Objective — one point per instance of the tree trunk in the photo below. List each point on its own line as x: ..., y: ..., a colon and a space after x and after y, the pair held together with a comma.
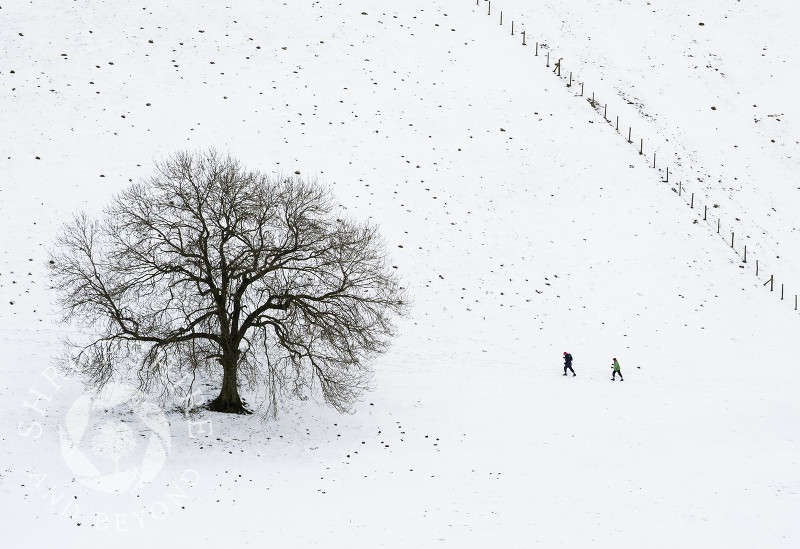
x: 228, y: 400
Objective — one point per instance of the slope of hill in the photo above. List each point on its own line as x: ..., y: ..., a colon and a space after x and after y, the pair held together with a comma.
x: 523, y: 226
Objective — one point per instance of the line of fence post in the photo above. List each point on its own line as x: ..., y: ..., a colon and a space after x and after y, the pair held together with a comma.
x: 771, y: 280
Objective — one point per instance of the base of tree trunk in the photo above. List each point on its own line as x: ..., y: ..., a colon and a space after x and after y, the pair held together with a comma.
x: 227, y: 404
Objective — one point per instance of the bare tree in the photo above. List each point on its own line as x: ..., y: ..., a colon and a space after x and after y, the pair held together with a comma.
x: 209, y: 269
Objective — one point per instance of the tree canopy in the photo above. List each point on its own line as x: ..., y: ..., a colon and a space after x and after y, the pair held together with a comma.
x: 216, y: 271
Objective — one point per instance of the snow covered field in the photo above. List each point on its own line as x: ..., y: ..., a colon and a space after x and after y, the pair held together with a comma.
x: 523, y: 225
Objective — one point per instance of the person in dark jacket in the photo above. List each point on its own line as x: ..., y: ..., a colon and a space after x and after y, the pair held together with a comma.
x: 568, y: 363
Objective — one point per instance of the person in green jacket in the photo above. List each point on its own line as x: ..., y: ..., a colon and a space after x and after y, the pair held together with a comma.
x: 615, y: 367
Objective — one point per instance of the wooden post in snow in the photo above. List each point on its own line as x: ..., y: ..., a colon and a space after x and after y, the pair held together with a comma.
x: 745, y: 254
x: 692, y: 204
x: 629, y: 135
x: 523, y: 38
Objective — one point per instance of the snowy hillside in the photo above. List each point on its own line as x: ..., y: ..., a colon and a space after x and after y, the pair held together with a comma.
x: 522, y: 224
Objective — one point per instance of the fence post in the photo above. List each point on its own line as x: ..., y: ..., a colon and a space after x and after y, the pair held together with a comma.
x: 581, y: 89
x: 490, y: 7
x: 654, y: 160
x: 512, y: 27
x: 537, y: 49
x: 570, y: 80
x: 501, y: 17
x: 548, y: 59
x: 605, y: 111
x: 718, y: 225
x: 731, y: 239
x: 641, y: 145
x: 629, y: 135
x: 523, y: 39
x: 756, y: 267
x: 617, y: 122
x: 745, y: 254
x: 692, y: 204
x: 680, y: 185
x: 705, y: 212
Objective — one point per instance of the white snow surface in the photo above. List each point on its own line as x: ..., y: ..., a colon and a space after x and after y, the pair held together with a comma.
x: 522, y: 223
